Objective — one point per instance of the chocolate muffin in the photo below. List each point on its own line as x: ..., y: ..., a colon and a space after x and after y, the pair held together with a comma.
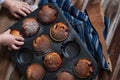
x: 35, y: 72
x: 47, y: 14
x: 41, y: 44
x: 64, y: 75
x: 30, y: 26
x: 52, y: 61
x: 59, y: 32
x: 83, y: 68
x: 15, y: 32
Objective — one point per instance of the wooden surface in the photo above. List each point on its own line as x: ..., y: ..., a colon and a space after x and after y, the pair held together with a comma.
x: 6, y: 20
x: 114, y: 50
x: 112, y: 11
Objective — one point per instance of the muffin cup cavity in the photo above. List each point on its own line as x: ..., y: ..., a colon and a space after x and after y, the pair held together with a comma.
x: 25, y: 56
x: 71, y: 49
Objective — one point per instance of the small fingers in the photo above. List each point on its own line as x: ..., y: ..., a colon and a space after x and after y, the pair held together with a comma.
x: 24, y: 3
x: 22, y: 13
x: 25, y: 10
x: 27, y: 6
x: 16, y: 15
x: 18, y: 43
x: 9, y: 48
x: 19, y: 38
x: 14, y: 47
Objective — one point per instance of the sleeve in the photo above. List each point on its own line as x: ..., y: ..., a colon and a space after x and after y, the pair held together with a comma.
x: 1, y: 1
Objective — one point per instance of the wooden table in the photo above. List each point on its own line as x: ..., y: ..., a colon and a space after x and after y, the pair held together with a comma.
x: 7, y: 68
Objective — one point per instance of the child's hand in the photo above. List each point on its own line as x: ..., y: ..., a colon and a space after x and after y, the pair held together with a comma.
x: 17, y: 8
x: 13, y: 42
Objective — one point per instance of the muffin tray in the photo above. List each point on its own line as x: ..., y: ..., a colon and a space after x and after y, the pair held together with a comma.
x: 71, y: 49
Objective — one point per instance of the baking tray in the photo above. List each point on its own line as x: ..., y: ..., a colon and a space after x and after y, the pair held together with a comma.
x: 26, y: 55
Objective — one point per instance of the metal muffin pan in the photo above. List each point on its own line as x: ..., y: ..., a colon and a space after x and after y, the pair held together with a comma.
x: 71, y: 49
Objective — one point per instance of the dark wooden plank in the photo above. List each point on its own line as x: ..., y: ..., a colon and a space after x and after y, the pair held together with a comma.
x: 114, y: 50
x: 116, y: 70
x: 118, y: 76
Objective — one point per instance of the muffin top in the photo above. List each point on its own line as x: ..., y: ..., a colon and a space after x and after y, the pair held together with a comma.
x: 47, y: 14
x: 65, y: 75
x: 15, y: 32
x: 83, y: 68
x: 35, y: 72
x: 59, y: 32
x: 42, y: 43
x: 30, y: 26
x: 52, y: 61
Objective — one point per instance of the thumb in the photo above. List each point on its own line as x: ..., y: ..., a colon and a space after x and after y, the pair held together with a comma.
x: 8, y: 31
x: 9, y: 48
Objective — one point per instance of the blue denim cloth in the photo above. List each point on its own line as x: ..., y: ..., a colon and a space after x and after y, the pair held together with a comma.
x: 1, y: 1
x: 83, y: 27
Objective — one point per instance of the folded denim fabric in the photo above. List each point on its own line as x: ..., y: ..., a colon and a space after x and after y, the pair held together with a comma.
x: 1, y: 1
x: 83, y: 27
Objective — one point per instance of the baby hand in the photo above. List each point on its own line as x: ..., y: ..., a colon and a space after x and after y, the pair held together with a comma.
x: 12, y: 41
x: 17, y: 8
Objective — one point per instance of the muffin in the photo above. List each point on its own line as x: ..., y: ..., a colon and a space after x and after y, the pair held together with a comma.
x: 52, y: 61
x: 30, y: 26
x: 47, y: 14
x: 59, y: 32
x: 15, y: 32
x: 41, y: 44
x: 83, y: 68
x: 64, y: 75
x: 35, y: 72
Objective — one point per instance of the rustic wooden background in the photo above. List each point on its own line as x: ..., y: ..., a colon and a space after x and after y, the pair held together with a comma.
x: 8, y: 70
